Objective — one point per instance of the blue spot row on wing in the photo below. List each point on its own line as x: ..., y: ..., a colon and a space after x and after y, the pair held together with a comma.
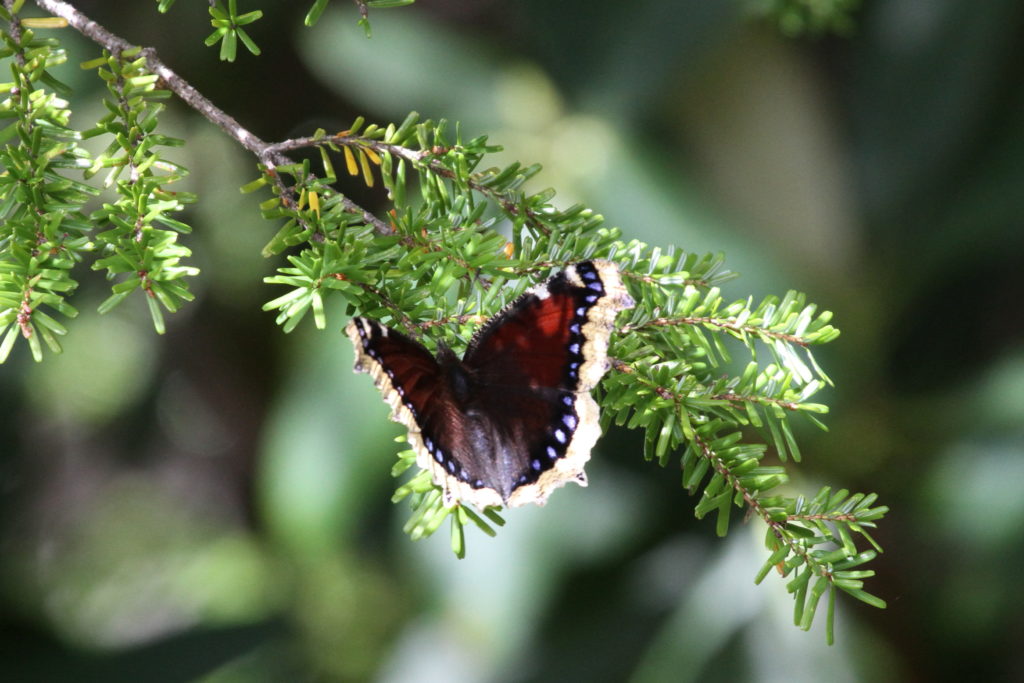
x: 453, y: 468
x: 561, y: 431
x: 373, y: 353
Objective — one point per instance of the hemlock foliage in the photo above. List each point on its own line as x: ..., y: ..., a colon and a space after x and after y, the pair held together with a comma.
x: 713, y: 384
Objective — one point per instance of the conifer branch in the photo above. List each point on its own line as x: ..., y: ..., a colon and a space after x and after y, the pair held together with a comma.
x: 724, y: 324
x: 175, y: 83
x: 738, y: 398
x: 264, y: 151
x: 427, y: 159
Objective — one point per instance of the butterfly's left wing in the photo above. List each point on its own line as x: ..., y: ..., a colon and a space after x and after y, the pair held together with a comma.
x: 535, y: 364
x: 419, y: 390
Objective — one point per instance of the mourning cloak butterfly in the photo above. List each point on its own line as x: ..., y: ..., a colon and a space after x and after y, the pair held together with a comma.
x: 514, y: 419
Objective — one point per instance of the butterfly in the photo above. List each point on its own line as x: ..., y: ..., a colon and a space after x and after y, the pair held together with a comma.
x: 513, y: 420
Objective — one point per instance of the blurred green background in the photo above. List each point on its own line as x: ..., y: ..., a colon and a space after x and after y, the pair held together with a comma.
x: 214, y: 503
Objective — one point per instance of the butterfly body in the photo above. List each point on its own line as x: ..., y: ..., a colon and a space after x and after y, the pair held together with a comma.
x: 513, y: 419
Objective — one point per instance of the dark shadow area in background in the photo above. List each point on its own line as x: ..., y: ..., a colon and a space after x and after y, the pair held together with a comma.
x: 33, y: 654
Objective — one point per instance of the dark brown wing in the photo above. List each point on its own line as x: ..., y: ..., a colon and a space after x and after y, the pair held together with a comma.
x: 447, y: 442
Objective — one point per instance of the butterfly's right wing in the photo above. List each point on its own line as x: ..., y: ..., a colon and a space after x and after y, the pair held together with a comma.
x: 536, y: 363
